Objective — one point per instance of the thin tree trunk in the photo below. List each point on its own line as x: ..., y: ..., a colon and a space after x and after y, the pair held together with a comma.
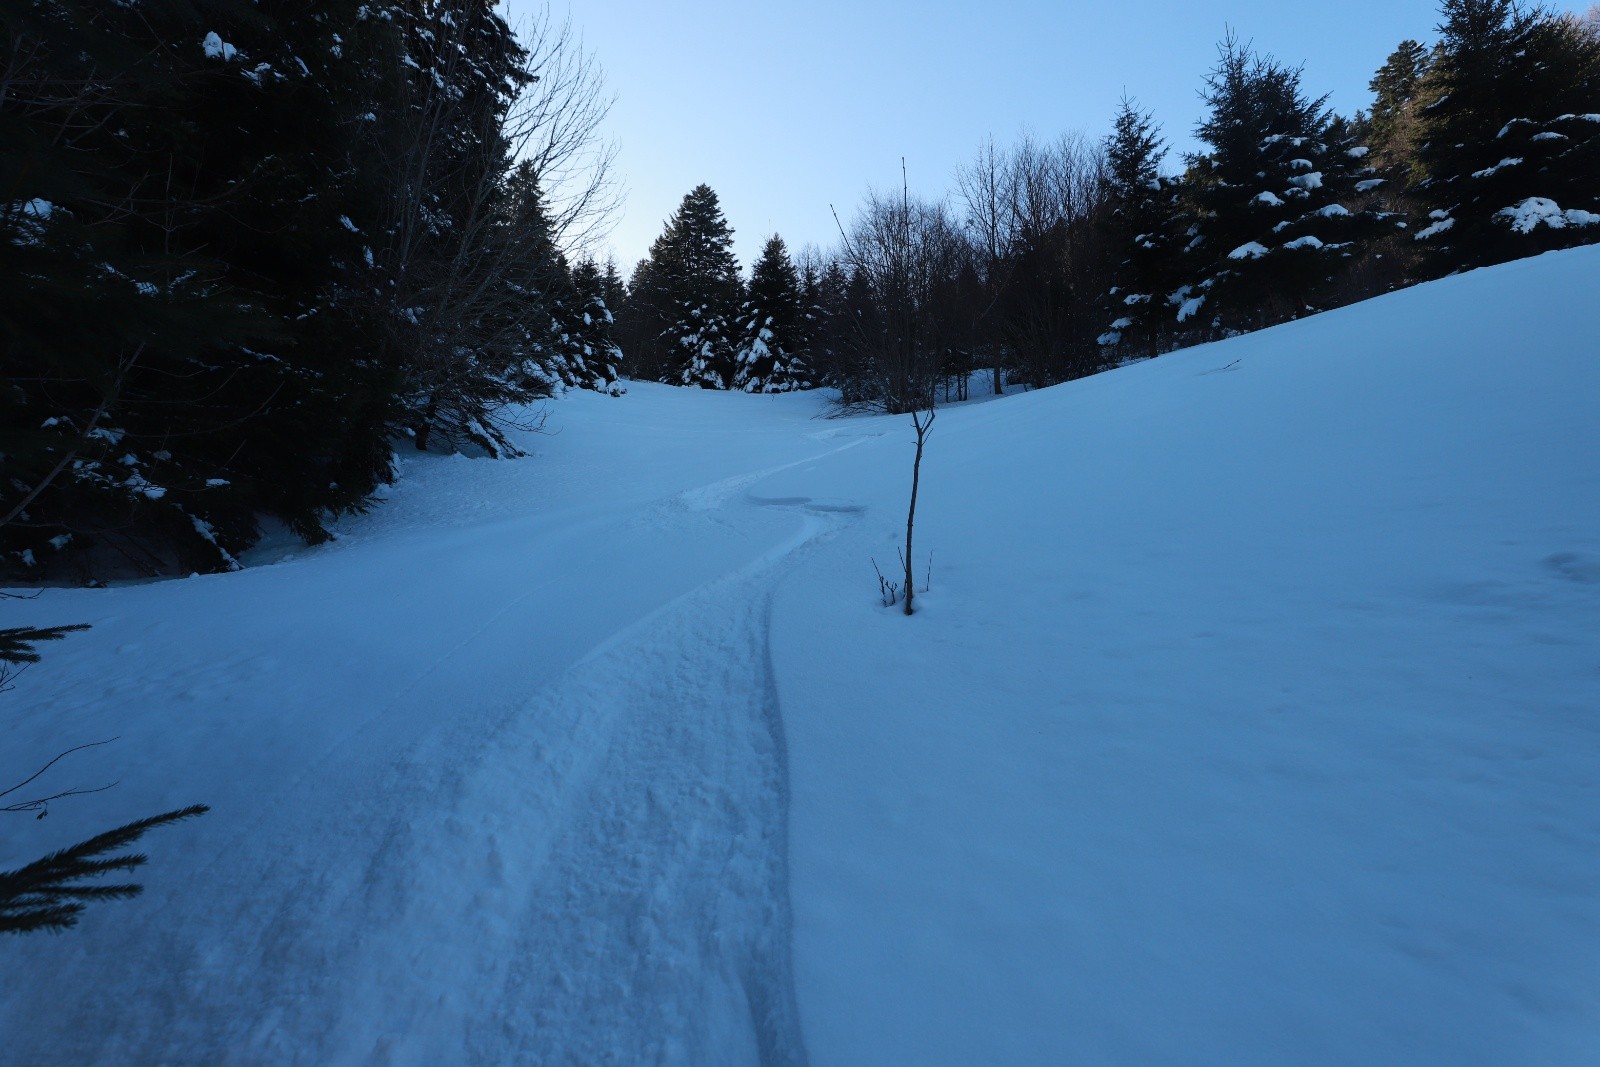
x: 923, y: 425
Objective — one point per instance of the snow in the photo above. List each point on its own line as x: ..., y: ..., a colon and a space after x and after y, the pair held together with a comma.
x: 1509, y: 161
x: 1307, y: 181
x: 1368, y: 184
x: 31, y: 217
x: 1249, y: 719
x: 1331, y: 211
x: 1437, y: 227
x: 1249, y: 250
x: 1306, y: 241
x: 1528, y: 215
x: 1269, y: 198
x: 216, y: 48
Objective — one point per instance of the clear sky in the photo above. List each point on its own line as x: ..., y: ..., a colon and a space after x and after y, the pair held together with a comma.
x: 786, y: 108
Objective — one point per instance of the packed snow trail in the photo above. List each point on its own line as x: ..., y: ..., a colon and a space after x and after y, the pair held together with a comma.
x: 683, y: 830
x: 535, y: 839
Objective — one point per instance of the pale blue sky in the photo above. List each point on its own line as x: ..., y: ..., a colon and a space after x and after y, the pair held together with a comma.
x: 784, y: 108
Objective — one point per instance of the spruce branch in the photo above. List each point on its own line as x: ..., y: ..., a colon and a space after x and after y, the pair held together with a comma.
x: 50, y: 893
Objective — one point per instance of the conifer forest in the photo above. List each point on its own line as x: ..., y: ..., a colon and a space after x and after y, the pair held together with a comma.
x: 240, y: 274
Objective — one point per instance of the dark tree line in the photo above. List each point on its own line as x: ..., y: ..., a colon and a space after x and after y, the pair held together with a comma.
x: 1057, y: 259
x: 246, y: 247
x: 689, y: 317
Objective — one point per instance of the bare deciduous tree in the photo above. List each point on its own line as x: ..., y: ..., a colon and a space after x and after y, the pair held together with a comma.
x: 904, y: 255
x: 1031, y: 213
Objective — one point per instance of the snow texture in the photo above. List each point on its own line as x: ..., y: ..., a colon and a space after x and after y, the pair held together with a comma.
x: 1260, y: 730
x: 1536, y: 211
x: 216, y: 48
x: 1438, y: 226
x: 1509, y: 161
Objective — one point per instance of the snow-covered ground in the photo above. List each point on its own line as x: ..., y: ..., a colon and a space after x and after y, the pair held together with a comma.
x: 1252, y: 717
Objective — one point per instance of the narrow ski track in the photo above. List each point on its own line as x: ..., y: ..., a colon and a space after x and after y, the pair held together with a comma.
x: 659, y: 930
x: 593, y: 871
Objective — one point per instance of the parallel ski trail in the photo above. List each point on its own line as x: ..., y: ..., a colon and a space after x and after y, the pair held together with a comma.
x: 659, y: 929
x: 593, y: 872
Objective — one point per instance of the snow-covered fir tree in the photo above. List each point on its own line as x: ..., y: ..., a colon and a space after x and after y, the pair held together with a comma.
x: 772, y: 329
x: 1392, y: 122
x: 594, y: 357
x: 1140, y: 233
x: 1270, y: 218
x: 1508, y: 135
x: 689, y: 291
x: 245, y: 246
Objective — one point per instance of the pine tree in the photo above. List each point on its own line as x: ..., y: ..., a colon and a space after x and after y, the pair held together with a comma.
x: 1272, y: 230
x: 1508, y: 153
x: 771, y: 341
x: 244, y: 245
x: 594, y: 351
x: 177, y: 170
x: 691, y: 288
x: 1394, y: 91
x: 828, y: 315
x: 1140, y: 222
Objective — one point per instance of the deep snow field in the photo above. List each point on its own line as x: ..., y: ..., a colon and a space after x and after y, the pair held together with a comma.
x: 1252, y: 717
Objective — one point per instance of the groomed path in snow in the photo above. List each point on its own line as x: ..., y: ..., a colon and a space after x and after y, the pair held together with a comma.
x: 1252, y: 717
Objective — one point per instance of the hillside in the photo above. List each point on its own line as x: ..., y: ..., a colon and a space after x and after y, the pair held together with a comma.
x: 1250, y: 718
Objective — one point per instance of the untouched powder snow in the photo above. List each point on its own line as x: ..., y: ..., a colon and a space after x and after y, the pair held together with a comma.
x: 1252, y: 717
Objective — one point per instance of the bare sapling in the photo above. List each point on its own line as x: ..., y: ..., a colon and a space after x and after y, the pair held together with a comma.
x: 922, y: 419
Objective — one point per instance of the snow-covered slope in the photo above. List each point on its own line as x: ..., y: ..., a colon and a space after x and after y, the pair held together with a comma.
x: 1252, y: 717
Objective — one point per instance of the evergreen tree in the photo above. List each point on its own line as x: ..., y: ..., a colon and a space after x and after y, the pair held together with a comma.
x: 828, y: 317
x: 1140, y: 232
x: 691, y: 290
x: 1509, y: 151
x: 176, y: 173
x: 771, y: 341
x: 1271, y: 226
x: 1394, y: 91
x: 595, y: 356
